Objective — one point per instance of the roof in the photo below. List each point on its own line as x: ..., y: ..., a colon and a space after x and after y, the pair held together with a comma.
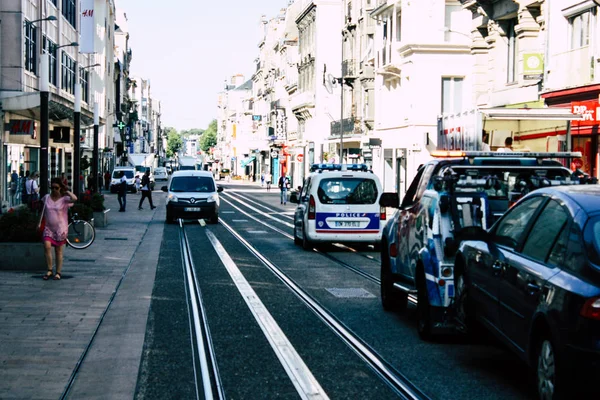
x: 586, y: 196
x: 245, y: 86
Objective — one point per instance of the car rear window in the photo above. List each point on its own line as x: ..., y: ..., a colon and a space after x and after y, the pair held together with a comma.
x: 128, y: 173
x: 347, y: 191
x: 224, y: 171
x: 201, y: 184
x: 592, y: 238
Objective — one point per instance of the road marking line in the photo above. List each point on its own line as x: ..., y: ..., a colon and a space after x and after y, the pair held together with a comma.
x: 302, y: 378
x: 239, y: 220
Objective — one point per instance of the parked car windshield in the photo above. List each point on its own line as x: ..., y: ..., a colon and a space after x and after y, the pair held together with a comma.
x: 117, y: 173
x: 592, y: 236
x: 200, y: 184
x: 347, y: 191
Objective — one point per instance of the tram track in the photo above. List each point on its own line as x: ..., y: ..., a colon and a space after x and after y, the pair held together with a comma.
x: 205, y: 366
x: 401, y: 385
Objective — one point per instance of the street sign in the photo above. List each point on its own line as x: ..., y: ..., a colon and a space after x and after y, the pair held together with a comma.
x: 299, y: 157
x: 274, y: 154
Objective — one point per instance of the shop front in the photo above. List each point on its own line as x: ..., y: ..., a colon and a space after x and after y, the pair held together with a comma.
x: 583, y: 134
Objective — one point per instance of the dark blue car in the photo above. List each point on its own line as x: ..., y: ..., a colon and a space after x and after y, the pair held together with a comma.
x: 533, y: 280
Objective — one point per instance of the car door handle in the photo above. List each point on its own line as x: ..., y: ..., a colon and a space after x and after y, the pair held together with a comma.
x: 532, y: 288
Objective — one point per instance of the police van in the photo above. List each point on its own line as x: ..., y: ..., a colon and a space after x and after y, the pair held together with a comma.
x: 339, y: 204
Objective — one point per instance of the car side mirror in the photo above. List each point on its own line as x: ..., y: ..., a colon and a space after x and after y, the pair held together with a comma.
x: 389, y: 200
x: 219, y: 188
x: 164, y: 189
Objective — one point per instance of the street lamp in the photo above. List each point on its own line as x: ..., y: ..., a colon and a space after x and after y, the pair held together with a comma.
x: 49, y: 18
x: 74, y: 44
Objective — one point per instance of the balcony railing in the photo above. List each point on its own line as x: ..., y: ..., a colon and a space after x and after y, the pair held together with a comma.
x: 348, y: 68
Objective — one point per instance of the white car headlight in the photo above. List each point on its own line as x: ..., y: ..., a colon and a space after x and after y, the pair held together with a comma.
x: 212, y: 198
x: 172, y: 197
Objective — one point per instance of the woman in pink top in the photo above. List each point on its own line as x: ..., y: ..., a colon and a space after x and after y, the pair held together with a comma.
x: 56, y: 206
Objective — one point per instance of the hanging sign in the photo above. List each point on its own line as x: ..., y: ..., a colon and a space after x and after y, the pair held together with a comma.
x: 299, y: 157
x: 88, y: 27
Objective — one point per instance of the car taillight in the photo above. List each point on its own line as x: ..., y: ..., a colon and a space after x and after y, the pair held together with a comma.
x: 311, y: 208
x: 591, y: 309
x: 382, y: 214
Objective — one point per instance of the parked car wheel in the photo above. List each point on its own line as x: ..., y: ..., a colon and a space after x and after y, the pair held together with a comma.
x: 546, y: 375
x: 423, y: 310
x: 297, y: 240
x: 306, y: 244
x: 391, y: 299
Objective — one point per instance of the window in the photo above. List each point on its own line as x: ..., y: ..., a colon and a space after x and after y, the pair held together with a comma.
x: 50, y: 49
x: 411, y: 193
x: 452, y: 94
x: 511, y: 228
x: 196, y: 184
x: 347, y: 191
x: 511, y: 48
x: 580, y: 29
x: 544, y: 233
x: 67, y: 74
x: 30, y: 47
x: 69, y: 11
x: 84, y: 77
x: 452, y: 12
x: 592, y: 239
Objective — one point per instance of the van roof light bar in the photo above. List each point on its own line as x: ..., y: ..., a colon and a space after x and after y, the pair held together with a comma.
x: 338, y: 167
x: 514, y: 154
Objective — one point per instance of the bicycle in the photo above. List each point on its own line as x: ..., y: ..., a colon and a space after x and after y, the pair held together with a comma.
x: 81, y: 234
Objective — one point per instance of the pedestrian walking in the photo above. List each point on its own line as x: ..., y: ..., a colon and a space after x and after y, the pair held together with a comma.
x: 269, y: 180
x: 14, y: 186
x: 284, y: 184
x: 138, y: 182
x: 262, y: 179
x: 146, y: 192
x: 122, y: 191
x: 90, y: 182
x: 100, y: 183
x: 33, y: 190
x: 55, y: 215
x: 24, y: 196
x: 106, y: 180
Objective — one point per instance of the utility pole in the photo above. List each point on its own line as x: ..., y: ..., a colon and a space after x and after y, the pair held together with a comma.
x: 76, y: 186
x: 44, y: 85
x: 95, y: 151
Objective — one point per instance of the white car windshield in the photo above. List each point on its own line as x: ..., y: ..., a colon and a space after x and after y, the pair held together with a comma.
x: 201, y: 184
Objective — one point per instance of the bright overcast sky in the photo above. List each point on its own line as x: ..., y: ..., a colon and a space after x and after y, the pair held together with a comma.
x: 187, y: 48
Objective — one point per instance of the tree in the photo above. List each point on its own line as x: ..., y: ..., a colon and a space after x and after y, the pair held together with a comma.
x: 209, y: 137
x: 194, y: 131
x: 174, y: 142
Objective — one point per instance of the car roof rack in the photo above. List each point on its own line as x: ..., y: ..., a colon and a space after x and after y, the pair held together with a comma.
x: 508, y: 154
x: 339, y: 167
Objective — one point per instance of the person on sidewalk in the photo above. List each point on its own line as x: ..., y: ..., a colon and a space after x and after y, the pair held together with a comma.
x: 138, y: 183
x: 106, y: 180
x: 146, y: 192
x: 122, y: 191
x: 284, y: 183
x: 33, y: 190
x: 269, y: 180
x: 56, y: 207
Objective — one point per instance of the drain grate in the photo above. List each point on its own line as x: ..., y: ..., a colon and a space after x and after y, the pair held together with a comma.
x: 116, y: 239
x: 351, y: 293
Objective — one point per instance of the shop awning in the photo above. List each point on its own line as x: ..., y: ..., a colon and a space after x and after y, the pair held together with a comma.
x: 247, y: 161
x: 59, y: 109
x: 546, y: 114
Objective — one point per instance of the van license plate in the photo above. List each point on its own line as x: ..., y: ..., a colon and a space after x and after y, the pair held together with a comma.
x: 192, y: 209
x: 347, y: 224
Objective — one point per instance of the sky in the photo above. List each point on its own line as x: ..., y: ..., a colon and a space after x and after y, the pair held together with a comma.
x: 188, y: 48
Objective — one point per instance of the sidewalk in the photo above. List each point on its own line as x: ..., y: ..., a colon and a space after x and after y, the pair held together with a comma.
x: 46, y: 326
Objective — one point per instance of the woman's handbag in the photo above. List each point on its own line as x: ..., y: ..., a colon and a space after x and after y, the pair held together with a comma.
x: 42, y: 222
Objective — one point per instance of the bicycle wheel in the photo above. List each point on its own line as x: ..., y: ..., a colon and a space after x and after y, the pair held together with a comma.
x: 81, y: 234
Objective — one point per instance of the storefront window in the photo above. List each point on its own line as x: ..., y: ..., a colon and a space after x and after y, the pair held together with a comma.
x: 584, y: 145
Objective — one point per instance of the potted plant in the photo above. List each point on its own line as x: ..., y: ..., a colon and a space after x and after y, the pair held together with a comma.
x: 95, y: 201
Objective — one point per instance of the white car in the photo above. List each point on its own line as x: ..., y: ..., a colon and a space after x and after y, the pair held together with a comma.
x: 116, y: 179
x: 192, y: 195
x: 160, y: 174
x: 339, y: 206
